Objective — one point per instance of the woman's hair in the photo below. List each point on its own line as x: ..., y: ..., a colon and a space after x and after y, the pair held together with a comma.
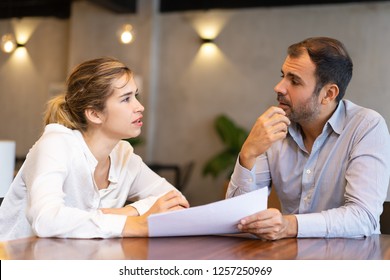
x: 332, y: 61
x: 87, y: 87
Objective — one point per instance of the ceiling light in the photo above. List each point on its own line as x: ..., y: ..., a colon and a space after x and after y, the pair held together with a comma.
x: 127, y: 35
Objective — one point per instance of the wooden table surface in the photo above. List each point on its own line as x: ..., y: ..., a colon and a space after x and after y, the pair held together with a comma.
x: 197, y: 248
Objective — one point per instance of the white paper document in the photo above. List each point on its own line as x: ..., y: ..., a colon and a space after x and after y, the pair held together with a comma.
x: 221, y: 217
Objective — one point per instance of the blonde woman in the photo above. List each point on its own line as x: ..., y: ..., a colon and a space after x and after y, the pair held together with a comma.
x: 79, y: 174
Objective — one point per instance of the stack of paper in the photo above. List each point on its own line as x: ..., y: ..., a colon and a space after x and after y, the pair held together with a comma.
x: 221, y: 217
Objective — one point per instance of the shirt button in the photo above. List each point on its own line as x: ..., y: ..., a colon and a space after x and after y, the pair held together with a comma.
x: 308, y: 171
x: 250, y: 180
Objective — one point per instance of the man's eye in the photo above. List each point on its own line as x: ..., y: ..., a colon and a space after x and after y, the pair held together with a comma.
x: 294, y: 82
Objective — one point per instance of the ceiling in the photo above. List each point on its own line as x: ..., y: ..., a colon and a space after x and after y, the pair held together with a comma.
x: 62, y: 8
x: 57, y: 8
x: 181, y: 5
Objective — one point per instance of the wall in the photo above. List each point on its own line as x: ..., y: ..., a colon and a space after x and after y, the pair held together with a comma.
x: 239, y: 81
x: 29, y: 76
x: 184, y: 90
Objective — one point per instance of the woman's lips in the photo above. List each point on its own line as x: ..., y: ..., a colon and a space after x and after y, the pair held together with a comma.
x: 138, y: 122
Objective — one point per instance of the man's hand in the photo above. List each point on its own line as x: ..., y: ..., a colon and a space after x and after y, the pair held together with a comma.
x: 270, y: 127
x: 270, y: 224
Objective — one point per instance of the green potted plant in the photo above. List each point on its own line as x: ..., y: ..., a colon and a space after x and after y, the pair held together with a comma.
x: 233, y: 136
x: 135, y: 141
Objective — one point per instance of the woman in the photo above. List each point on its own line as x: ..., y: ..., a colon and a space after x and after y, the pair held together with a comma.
x: 79, y: 174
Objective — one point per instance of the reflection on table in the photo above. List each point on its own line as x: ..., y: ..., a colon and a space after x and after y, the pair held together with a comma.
x: 197, y: 248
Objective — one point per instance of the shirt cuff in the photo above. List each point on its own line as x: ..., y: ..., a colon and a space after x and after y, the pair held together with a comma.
x: 243, y: 178
x: 311, y: 225
x: 144, y: 205
x: 111, y: 224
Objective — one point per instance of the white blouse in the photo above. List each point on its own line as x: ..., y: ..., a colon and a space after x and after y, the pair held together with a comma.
x: 54, y: 193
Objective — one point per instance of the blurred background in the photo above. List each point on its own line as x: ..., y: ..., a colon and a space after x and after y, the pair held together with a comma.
x: 194, y: 62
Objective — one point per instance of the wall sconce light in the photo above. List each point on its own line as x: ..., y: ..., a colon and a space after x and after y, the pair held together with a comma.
x: 208, y: 46
x: 126, y: 34
x: 207, y: 40
x: 9, y: 44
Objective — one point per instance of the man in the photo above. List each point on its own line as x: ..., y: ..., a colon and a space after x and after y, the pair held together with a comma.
x: 328, y: 159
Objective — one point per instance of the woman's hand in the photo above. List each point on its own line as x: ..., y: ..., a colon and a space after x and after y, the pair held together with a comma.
x: 138, y: 226
x: 172, y: 200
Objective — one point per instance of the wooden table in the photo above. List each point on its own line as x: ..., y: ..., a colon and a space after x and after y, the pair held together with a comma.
x: 197, y: 248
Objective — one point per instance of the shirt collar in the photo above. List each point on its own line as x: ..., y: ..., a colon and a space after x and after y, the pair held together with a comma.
x: 335, y: 123
x: 337, y: 120
x: 92, y: 161
x: 113, y: 175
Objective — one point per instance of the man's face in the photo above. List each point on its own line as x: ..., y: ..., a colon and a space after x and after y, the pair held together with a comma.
x: 295, y: 91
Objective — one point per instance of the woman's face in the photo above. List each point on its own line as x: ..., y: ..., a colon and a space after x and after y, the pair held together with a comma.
x: 122, y: 117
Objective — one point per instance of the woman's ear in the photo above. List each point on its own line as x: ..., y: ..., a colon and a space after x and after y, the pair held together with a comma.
x: 93, y: 116
x: 331, y: 92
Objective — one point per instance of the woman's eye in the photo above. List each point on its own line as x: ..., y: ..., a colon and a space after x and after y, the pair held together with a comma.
x: 127, y: 99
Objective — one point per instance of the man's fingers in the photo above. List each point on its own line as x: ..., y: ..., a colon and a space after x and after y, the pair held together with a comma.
x: 274, y: 110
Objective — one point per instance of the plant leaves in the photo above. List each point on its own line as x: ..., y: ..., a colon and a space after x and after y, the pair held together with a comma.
x: 222, y: 162
x: 231, y: 134
x: 135, y: 141
x: 233, y: 138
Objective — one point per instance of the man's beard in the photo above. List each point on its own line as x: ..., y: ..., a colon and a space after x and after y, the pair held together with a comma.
x: 306, y: 112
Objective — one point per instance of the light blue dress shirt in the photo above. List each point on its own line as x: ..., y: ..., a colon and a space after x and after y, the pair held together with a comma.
x: 339, y: 188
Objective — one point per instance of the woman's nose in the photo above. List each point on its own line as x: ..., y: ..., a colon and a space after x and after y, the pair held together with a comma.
x: 139, y: 107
